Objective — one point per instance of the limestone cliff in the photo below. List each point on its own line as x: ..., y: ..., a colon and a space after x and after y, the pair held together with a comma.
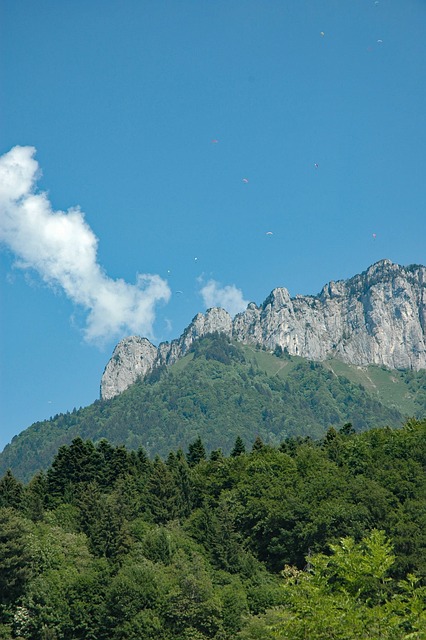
x: 377, y: 317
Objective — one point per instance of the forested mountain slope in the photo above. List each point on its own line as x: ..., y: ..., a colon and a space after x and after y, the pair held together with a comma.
x: 221, y: 390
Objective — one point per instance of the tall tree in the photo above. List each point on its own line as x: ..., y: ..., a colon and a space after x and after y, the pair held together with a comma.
x: 196, y: 452
x: 11, y: 491
x: 15, y: 566
x: 239, y: 447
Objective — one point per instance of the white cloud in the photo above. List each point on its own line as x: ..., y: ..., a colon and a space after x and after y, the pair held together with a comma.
x: 62, y: 248
x: 228, y: 297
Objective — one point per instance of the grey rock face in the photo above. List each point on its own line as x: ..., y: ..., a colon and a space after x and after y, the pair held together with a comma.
x: 214, y: 320
x: 131, y: 358
x: 377, y: 317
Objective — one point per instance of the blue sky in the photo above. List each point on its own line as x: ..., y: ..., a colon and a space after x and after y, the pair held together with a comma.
x: 148, y: 147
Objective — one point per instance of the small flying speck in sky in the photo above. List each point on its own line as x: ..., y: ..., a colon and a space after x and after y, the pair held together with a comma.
x: 322, y: 34
x: 214, y: 141
x: 316, y: 165
x: 245, y: 180
x: 379, y: 41
x: 269, y: 233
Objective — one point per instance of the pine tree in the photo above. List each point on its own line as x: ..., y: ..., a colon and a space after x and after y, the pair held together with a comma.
x: 257, y: 444
x: 36, y: 496
x: 11, y: 491
x: 196, y: 452
x: 239, y: 447
x: 162, y: 498
x: 14, y: 555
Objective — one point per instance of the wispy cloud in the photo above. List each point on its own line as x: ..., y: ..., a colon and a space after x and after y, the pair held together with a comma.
x: 227, y: 297
x: 62, y: 248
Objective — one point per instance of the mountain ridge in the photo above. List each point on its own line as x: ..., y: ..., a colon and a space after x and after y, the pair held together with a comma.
x: 222, y: 389
x: 377, y: 317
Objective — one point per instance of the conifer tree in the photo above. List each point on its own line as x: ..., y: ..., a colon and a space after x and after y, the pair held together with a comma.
x: 162, y: 494
x: 36, y: 496
x: 14, y: 555
x: 239, y: 447
x: 11, y: 491
x: 257, y: 444
x: 196, y: 452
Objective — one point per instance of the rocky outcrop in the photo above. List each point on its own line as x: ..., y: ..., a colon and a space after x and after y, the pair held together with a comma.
x: 377, y: 317
x: 131, y: 358
x: 134, y: 357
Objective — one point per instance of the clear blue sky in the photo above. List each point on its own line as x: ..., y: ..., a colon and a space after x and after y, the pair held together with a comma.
x: 149, y: 116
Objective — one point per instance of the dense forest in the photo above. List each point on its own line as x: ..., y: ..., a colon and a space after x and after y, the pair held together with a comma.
x: 221, y: 390
x: 308, y: 538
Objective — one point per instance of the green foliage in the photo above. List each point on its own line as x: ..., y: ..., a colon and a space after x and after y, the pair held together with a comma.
x: 11, y: 491
x: 343, y: 595
x: 219, y: 391
x: 188, y: 547
x: 15, y: 567
x: 239, y: 447
x: 196, y: 452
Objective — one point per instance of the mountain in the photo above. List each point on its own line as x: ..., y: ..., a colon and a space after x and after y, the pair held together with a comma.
x: 291, y: 367
x: 375, y: 318
x: 222, y: 389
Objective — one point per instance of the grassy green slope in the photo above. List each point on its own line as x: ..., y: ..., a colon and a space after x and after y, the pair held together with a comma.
x: 402, y: 390
x: 220, y: 391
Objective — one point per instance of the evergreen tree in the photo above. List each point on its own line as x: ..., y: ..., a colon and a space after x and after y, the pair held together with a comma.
x: 15, y: 567
x: 196, y: 452
x: 184, y: 489
x: 347, y: 429
x: 239, y: 447
x: 102, y: 520
x: 11, y: 491
x: 257, y: 444
x: 74, y: 464
x: 35, y: 497
x: 162, y: 494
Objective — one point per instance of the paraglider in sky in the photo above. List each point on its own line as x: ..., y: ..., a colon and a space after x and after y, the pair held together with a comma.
x: 316, y: 165
x: 322, y: 34
x: 374, y: 236
x: 269, y: 233
x: 195, y: 259
x: 379, y: 41
x: 245, y: 180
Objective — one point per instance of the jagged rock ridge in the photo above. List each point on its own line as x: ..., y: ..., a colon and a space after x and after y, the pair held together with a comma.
x: 376, y: 317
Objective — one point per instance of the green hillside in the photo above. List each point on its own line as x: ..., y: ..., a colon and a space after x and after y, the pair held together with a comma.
x: 221, y: 390
x: 404, y: 391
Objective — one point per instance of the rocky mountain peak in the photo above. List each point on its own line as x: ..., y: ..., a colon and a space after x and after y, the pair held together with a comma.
x: 376, y: 317
x: 132, y: 357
